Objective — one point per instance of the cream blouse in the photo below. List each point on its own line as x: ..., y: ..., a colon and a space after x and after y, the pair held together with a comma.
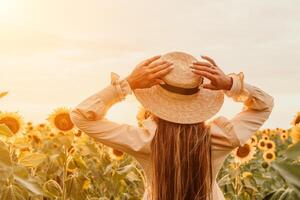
x: 226, y: 134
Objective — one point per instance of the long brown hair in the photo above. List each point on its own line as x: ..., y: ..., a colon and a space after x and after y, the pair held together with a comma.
x: 181, y: 161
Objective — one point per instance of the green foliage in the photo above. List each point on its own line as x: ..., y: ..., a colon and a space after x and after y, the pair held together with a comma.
x: 258, y: 179
x: 40, y: 164
x: 289, y: 169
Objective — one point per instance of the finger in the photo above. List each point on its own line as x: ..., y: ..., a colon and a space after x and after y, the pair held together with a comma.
x: 208, y: 75
x: 205, y: 68
x: 209, y: 60
x: 160, y: 67
x: 162, y: 73
x: 155, y: 64
x: 208, y: 86
x: 202, y: 63
x: 159, y: 81
x: 150, y: 60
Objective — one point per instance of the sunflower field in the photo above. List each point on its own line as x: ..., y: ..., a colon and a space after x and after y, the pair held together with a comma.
x: 55, y: 160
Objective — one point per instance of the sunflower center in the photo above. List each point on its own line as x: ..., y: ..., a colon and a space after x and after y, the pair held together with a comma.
x: 243, y: 151
x: 269, y: 145
x: 63, y: 122
x: 117, y: 152
x: 269, y: 156
x: 11, y: 123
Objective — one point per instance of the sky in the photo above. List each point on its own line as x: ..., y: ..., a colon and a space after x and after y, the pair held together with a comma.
x: 56, y: 53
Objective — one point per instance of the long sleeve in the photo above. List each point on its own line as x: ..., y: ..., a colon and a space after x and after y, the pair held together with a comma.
x: 257, y: 107
x: 89, y: 116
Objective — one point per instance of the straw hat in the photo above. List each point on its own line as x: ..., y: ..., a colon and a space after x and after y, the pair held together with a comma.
x: 181, y: 100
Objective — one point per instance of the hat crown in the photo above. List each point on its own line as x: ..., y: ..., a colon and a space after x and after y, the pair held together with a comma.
x: 165, y: 102
x: 181, y: 75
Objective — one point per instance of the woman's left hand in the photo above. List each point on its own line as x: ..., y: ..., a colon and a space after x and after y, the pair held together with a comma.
x: 211, y: 71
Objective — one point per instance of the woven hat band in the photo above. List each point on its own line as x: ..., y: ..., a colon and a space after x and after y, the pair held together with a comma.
x: 179, y: 90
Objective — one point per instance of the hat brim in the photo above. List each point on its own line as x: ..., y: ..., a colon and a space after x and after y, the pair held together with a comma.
x: 178, y: 108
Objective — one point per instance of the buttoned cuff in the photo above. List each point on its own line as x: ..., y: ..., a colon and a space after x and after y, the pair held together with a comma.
x: 237, y: 84
x: 239, y: 90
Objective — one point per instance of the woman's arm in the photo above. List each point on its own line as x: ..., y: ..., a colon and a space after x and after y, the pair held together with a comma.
x: 89, y: 115
x: 257, y: 103
x: 257, y: 107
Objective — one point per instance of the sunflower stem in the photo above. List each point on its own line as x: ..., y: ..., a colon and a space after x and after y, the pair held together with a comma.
x: 65, y: 175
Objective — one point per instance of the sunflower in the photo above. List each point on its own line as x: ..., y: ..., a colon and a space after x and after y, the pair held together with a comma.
x: 78, y: 133
x: 296, y: 120
x: 278, y: 130
x: 258, y: 132
x: 245, y: 153
x: 60, y: 120
x: 269, y: 156
x: 273, y: 133
x: 246, y: 174
x: 295, y: 133
x: 29, y: 127
x: 284, y: 135
x: 116, y: 154
x: 262, y: 144
x: 13, y: 121
x: 265, y: 165
x: 270, y: 145
x: 86, y: 184
x: 265, y: 137
x: 253, y: 140
x: 142, y: 115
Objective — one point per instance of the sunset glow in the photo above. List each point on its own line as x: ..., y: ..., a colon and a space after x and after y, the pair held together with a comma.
x: 54, y: 53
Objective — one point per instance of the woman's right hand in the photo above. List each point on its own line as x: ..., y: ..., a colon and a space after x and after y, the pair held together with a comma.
x: 149, y: 73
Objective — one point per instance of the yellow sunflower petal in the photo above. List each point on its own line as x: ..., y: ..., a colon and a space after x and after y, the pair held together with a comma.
x: 245, y: 174
x: 296, y: 120
x: 295, y: 133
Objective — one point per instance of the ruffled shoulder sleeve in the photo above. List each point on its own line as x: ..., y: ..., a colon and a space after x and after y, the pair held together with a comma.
x: 97, y: 105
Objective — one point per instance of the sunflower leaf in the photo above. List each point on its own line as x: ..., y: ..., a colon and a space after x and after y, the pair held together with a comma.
x: 5, y: 158
x: 32, y: 186
x: 5, y: 131
x: 32, y: 159
x: 52, y: 188
x: 291, y: 173
x: 294, y: 151
x: 13, y: 192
